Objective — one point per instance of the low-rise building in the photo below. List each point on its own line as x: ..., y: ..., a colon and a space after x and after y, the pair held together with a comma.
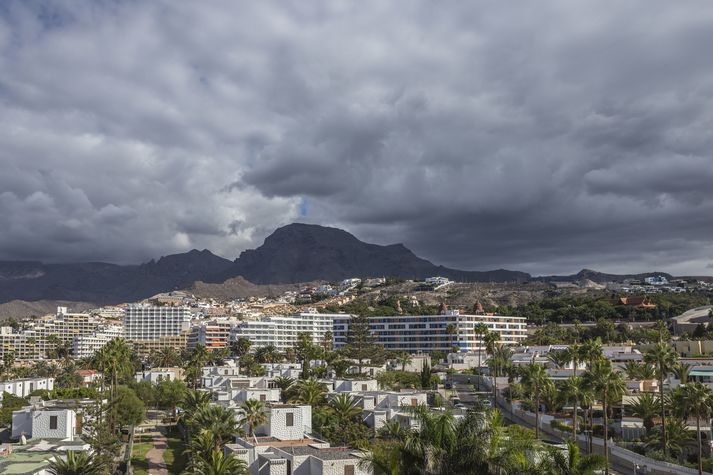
x: 156, y: 375
x: 23, y: 387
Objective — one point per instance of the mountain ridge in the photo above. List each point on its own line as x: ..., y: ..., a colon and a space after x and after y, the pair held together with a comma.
x: 292, y: 254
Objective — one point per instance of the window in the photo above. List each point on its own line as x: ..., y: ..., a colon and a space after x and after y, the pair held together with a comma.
x: 290, y: 419
x: 53, y: 422
x: 363, y: 387
x: 349, y: 470
x: 263, y: 398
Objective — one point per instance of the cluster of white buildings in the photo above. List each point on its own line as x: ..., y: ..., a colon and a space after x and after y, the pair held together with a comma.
x: 152, y: 327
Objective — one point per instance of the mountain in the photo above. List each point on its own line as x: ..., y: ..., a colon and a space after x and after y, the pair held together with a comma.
x: 306, y: 252
x: 292, y: 254
x: 103, y: 283
x: 599, y: 277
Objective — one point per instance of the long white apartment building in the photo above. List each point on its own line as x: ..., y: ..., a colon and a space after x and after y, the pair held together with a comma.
x: 85, y: 346
x: 282, y: 331
x: 149, y: 322
x: 424, y: 333
x: 32, y: 341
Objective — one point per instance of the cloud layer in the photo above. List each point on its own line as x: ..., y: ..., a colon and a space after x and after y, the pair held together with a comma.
x: 543, y: 136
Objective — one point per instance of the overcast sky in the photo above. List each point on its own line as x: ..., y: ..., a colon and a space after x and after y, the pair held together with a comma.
x: 544, y: 136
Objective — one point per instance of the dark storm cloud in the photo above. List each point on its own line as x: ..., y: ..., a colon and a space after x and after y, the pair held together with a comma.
x: 544, y: 136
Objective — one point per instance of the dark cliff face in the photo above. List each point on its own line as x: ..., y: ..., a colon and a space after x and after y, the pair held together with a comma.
x: 302, y: 252
x: 293, y: 253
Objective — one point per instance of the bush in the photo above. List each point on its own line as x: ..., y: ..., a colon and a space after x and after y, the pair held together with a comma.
x: 558, y: 425
x: 396, y: 380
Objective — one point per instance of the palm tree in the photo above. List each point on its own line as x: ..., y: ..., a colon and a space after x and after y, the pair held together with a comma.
x: 645, y: 407
x: 591, y: 350
x: 285, y: 384
x: 664, y: 359
x: 266, y: 354
x: 698, y: 399
x: 76, y: 463
x: 219, y: 422
x: 682, y: 371
x: 254, y: 415
x: 240, y: 347
x: 498, y: 364
x: 114, y: 361
x: 403, y: 358
x: 639, y: 371
x: 678, y: 436
x: 535, y: 379
x: 574, y: 354
x: 572, y: 391
x: 345, y: 407
x: 559, y: 358
x: 311, y: 391
x: 572, y: 462
x: 480, y: 330
x: 218, y: 463
x: 165, y: 358
x: 610, y: 386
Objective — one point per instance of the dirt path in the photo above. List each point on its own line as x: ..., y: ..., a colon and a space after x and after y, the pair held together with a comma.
x: 157, y: 466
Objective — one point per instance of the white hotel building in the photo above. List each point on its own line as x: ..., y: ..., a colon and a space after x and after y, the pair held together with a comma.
x: 282, y: 331
x: 425, y: 333
x: 148, y: 322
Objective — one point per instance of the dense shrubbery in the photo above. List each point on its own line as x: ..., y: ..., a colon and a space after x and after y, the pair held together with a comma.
x: 588, y: 309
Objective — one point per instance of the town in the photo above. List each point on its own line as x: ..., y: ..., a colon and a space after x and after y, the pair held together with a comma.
x: 332, y: 380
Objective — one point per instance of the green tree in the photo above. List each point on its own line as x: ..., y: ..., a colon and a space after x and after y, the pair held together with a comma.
x: 76, y: 463
x: 610, y: 386
x: 240, y: 347
x: 645, y: 407
x: 361, y: 345
x: 664, y: 359
x: 253, y: 415
x: 218, y: 463
x: 305, y: 351
x: 426, y: 376
x: 345, y: 407
x: 480, y: 330
x: 165, y: 358
x: 267, y: 354
x: 129, y: 409
x: 572, y: 391
x: 534, y: 379
x: 698, y: 400
x: 404, y: 359
x: 572, y: 462
x: 219, y: 422
x: 286, y: 386
x: 169, y: 393
x: 310, y: 391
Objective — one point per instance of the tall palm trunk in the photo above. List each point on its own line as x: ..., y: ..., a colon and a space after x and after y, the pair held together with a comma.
x: 606, y: 434
x: 574, y: 420
x: 591, y: 427
x: 537, y: 416
x: 700, y: 447
x: 663, y: 413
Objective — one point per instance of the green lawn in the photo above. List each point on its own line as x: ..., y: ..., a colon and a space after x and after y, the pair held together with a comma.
x: 142, y: 445
x: 175, y: 458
